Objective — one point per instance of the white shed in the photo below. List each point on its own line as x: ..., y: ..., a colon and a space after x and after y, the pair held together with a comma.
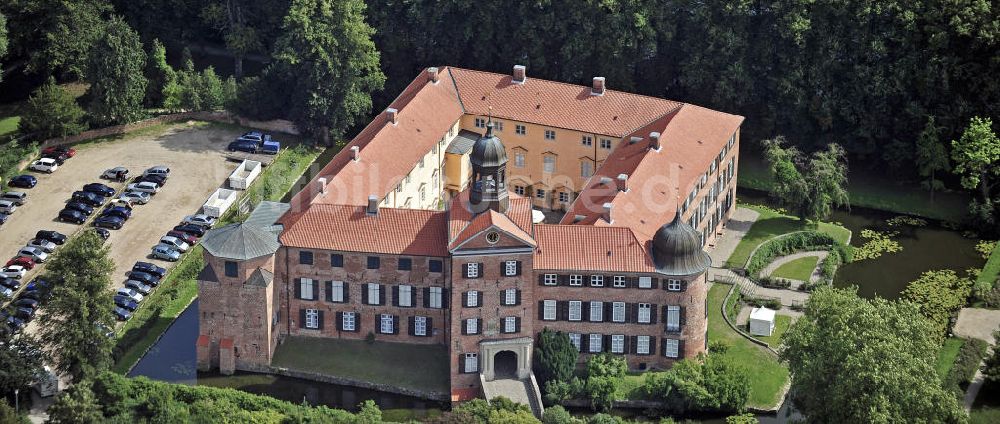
x: 761, y: 322
x: 244, y: 174
x: 219, y: 202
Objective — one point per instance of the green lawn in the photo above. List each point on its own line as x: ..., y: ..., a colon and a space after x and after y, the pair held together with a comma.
x: 781, y: 324
x: 768, y: 376
x: 991, y: 270
x: 799, y: 269
x: 421, y: 367
x: 8, y: 125
x: 947, y: 354
x: 771, y: 223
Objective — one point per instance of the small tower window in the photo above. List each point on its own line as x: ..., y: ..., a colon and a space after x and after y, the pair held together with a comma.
x: 232, y: 269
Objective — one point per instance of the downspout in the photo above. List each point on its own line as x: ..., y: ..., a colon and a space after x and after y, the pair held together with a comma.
x: 288, y: 299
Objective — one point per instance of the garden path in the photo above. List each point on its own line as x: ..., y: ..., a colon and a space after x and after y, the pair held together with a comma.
x: 739, y: 223
x: 979, y: 323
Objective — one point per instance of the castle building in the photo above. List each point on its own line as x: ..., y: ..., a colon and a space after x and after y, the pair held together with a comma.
x: 477, y: 210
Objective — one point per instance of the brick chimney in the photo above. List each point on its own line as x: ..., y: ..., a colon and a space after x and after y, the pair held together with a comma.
x: 607, y: 212
x: 634, y: 139
x: 355, y: 153
x: 598, y: 87
x: 372, y: 208
x: 432, y: 74
x: 390, y: 115
x: 519, y: 74
x: 654, y: 141
x: 622, y: 182
x: 606, y: 181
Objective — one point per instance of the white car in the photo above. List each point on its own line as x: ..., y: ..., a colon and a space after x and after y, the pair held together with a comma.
x: 174, y: 242
x: 157, y: 170
x: 7, y: 207
x: 45, y: 245
x: 199, y: 219
x: 144, y: 187
x: 44, y: 165
x: 131, y: 294
x: 13, y: 271
x: 34, y: 253
x: 135, y: 197
x: 115, y: 172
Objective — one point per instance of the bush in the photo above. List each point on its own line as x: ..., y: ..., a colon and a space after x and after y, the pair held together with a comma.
x: 718, y: 346
x: 775, y: 282
x: 717, y: 385
x: 555, y: 357
x: 557, y: 415
x: 763, y: 302
x: 791, y: 243
x: 966, y: 364
x: 51, y: 112
x: 11, y: 154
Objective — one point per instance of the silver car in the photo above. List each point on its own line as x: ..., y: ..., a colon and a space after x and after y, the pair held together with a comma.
x: 7, y: 207
x: 174, y: 242
x: 157, y: 170
x: 45, y: 245
x: 34, y: 253
x: 135, y: 197
x: 138, y: 286
x: 163, y: 251
x: 144, y: 187
x: 131, y: 294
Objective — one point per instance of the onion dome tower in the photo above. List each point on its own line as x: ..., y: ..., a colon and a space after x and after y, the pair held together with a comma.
x: 676, y: 249
x: 489, y: 169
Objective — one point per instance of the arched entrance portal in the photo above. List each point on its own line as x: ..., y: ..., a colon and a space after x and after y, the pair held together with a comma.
x: 505, y: 364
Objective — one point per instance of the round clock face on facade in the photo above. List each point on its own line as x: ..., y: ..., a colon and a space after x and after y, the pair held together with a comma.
x: 492, y: 237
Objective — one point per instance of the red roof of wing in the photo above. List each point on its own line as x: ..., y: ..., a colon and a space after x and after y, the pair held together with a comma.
x: 350, y: 228
x: 489, y: 219
x: 588, y: 247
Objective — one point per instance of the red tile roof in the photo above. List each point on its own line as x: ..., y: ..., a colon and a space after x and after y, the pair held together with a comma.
x: 489, y: 219
x: 587, y: 247
x: 349, y: 228
x: 226, y: 343
x: 459, y: 215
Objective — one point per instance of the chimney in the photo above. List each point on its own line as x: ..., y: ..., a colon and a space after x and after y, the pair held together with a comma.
x: 390, y: 115
x: 606, y: 181
x: 622, y: 182
x: 654, y: 141
x: 372, y: 208
x: 607, y: 212
x: 355, y: 153
x: 634, y: 140
x: 519, y: 76
x: 578, y: 218
x: 321, y: 184
x: 598, y: 87
x: 432, y: 74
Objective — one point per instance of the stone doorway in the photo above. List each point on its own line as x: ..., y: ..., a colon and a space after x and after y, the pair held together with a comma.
x: 507, y: 358
x: 505, y: 364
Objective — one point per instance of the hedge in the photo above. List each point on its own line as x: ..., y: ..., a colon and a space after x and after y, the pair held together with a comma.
x: 966, y: 365
x: 795, y: 242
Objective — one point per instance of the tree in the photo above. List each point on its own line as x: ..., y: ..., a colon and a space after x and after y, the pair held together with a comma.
x: 859, y: 360
x: 602, y: 392
x: 76, y: 405
x: 811, y: 185
x: 21, y: 359
x: 977, y: 160
x: 9, y: 416
x: 229, y: 18
x: 115, y: 71
x: 556, y: 414
x: 80, y: 308
x: 159, y: 74
x: 555, y: 357
x: 931, y: 156
x: 54, y: 37
x: 991, y: 368
x: 326, y: 46
x: 717, y: 384
x: 50, y: 112
x: 368, y: 413
x: 502, y: 416
x: 939, y: 295
x: 3, y: 41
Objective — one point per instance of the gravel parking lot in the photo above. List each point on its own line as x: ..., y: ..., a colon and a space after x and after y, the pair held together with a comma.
x: 195, y: 154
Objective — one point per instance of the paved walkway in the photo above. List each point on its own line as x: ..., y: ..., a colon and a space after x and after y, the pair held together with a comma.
x: 738, y: 225
x: 980, y: 324
x: 777, y: 263
x: 510, y: 388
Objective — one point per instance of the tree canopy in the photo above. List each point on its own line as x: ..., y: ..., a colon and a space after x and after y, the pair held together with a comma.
x: 555, y: 357
x: 115, y: 71
x: 54, y: 37
x: 50, y: 112
x: 811, y: 186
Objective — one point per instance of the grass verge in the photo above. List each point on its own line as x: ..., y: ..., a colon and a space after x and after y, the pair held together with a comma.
x: 947, y: 354
x: 781, y: 324
x: 799, y: 269
x: 772, y: 223
x: 8, y: 125
x: 991, y: 270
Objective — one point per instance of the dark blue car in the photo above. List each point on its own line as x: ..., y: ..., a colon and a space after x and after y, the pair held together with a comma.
x: 148, y: 268
x: 243, y: 146
x: 109, y: 221
x: 91, y: 199
x: 100, y: 189
x: 142, y: 277
x: 23, y: 181
x: 70, y: 215
x: 119, y: 211
x: 122, y: 314
x: 3, y: 218
x: 126, y: 303
x: 80, y: 207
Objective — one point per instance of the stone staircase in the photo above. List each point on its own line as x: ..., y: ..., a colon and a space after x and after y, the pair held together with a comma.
x: 524, y: 391
x: 747, y: 287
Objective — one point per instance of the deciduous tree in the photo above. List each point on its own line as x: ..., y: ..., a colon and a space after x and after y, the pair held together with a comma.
x: 159, y: 74
x: 54, y: 37
x: 811, y: 186
x: 931, y: 156
x: 21, y: 359
x: 51, y: 111
x: 76, y: 405
x: 977, y: 157
x: 991, y: 367
x: 115, y: 71
x: 3, y: 41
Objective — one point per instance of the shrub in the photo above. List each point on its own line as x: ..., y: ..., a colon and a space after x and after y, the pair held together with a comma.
x: 555, y: 356
x: 791, y: 243
x: 51, y: 112
x: 557, y: 415
x: 991, y: 368
x: 718, y: 346
x: 717, y: 385
x: 966, y: 364
x: 11, y: 154
x: 762, y: 302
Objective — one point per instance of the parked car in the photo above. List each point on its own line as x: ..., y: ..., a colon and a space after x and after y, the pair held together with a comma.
x: 243, y: 146
x: 74, y: 216
x: 15, y: 323
x: 13, y: 271
x: 27, y: 263
x: 118, y: 173
x: 23, y: 181
x: 100, y: 189
x: 27, y: 303
x: 53, y: 236
x: 7, y: 207
x: 24, y: 313
x: 119, y: 211
x: 47, y: 165
x: 15, y: 197
x: 199, y: 219
x: 103, y: 233
x: 80, y: 207
x: 125, y: 302
x: 36, y: 285
x: 157, y: 179
x: 91, y: 199
x: 4, y: 217
x: 109, y: 221
x: 34, y: 253
x: 144, y: 187
x: 162, y: 251
x: 269, y: 146
x: 10, y: 283
x: 45, y: 245
x: 60, y: 158
x: 149, y: 268
x: 119, y: 202
x: 122, y: 314
x: 185, y: 237
x: 131, y: 294
x: 175, y: 242
x: 135, y: 197
x: 144, y: 278
x: 144, y: 289
x: 5, y: 292
x: 62, y: 150
x: 159, y: 169
x: 195, y: 230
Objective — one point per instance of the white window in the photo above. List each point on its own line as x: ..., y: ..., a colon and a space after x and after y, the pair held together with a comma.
x: 618, y: 311
x: 673, y: 318
x: 540, y: 193
x: 576, y: 280
x: 498, y: 125
x: 437, y: 297
x: 337, y: 291
x: 671, y: 348
x: 472, y: 326
x: 519, y: 129
x: 574, y: 338
x: 595, y: 343
x: 674, y: 285
x: 405, y: 295
x: 348, y: 321
x: 551, y: 279
x: 510, y: 297
x: 421, y: 163
x: 373, y: 294
x: 472, y: 270
x: 597, y: 311
x: 480, y: 123
x: 606, y: 143
x: 617, y: 343
x: 645, y: 311
x: 519, y: 160
x: 619, y: 281
x: 510, y: 268
x: 423, y: 194
x: 312, y: 318
x: 642, y: 345
x: 550, y: 134
x: 519, y: 189
x: 586, y: 169
x: 549, y: 164
x: 510, y: 324
x: 645, y: 282
x: 564, y: 197
x: 548, y: 310
x: 399, y: 188
x: 575, y: 307
x: 385, y: 326
x: 471, y: 362
x: 472, y: 299
x: 587, y: 140
x: 306, y: 288
x: 597, y: 280
x: 420, y: 326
